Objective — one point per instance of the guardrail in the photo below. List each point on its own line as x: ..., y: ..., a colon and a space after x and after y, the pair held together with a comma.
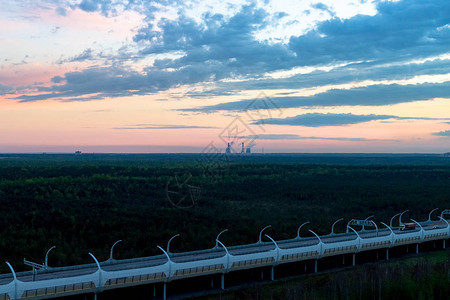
x: 93, y: 278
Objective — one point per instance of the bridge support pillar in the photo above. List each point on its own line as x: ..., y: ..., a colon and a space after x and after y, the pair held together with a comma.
x: 387, y: 254
x: 222, y: 281
x: 154, y: 291
x: 443, y: 244
x: 272, y: 271
x: 165, y: 291
x: 417, y: 248
x: 212, y: 281
x: 262, y: 273
x: 343, y: 259
x: 95, y: 296
x: 354, y: 260
x: 315, y: 266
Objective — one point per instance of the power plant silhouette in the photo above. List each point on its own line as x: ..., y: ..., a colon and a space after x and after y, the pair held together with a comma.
x: 244, y: 150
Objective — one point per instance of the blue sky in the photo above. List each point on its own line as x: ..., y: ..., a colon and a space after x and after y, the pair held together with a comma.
x: 327, y: 76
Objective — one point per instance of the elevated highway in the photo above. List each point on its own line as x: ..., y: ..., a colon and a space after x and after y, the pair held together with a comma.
x: 100, y: 276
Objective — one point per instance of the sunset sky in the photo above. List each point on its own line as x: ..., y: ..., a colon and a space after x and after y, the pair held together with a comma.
x: 190, y: 76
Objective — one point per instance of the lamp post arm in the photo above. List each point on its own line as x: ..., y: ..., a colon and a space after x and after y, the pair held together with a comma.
x: 168, y: 243
x: 441, y: 218
x: 112, y: 249
x: 298, y: 230
x: 15, y: 279
x: 227, y: 253
x: 376, y: 227
x: 317, y: 236
x: 46, y: 256
x: 429, y: 215
x: 332, y: 226
x: 99, y: 270
x: 388, y: 227
x: 276, y: 247
x: 96, y: 261
x: 12, y: 271
x: 363, y: 228
x: 358, y: 237
x: 217, y: 238
x: 400, y: 218
x: 390, y: 222
x: 168, y: 259
x: 421, y: 229
x: 320, y: 243
x: 261, y: 232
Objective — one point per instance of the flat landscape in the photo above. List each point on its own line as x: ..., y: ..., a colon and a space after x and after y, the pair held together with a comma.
x: 85, y: 203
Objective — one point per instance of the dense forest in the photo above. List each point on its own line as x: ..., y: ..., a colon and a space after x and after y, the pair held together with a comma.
x: 85, y: 203
x: 419, y: 278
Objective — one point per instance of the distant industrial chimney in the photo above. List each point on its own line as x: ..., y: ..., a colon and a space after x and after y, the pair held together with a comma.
x: 228, y: 150
x: 242, y: 151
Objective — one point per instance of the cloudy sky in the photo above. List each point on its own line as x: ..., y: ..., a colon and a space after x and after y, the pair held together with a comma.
x: 190, y: 76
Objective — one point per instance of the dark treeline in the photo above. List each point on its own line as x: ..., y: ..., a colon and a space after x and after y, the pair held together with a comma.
x: 84, y: 204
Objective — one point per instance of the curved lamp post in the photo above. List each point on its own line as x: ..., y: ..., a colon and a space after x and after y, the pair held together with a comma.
x: 332, y: 226
x: 298, y: 230
x: 387, y: 227
x: 112, y: 250
x: 363, y: 228
x: 400, y: 218
x: 168, y: 243
x: 390, y: 222
x: 421, y: 229
x: 227, y: 253
x: 320, y: 250
x: 357, y: 234
x: 261, y: 232
x: 429, y: 215
x: 278, y: 256
x: 217, y: 238
x: 168, y: 259
x: 442, y: 219
x: 46, y: 256
x: 15, y: 279
x: 99, y: 270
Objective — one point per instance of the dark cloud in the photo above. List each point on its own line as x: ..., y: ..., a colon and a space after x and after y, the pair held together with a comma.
x: 370, y: 95
x: 331, y: 119
x: 299, y: 137
x: 408, y: 28
x: 57, y: 79
x: 341, y: 75
x: 162, y: 126
x: 443, y: 133
x: 4, y: 89
x: 86, y: 55
x: 220, y: 48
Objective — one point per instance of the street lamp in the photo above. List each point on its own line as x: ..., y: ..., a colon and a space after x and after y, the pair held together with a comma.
x: 298, y: 230
x: 46, y: 256
x: 429, y: 215
x: 363, y: 227
x: 112, y: 249
x: 217, y: 238
x: 332, y: 226
x: 260, y: 233
x: 168, y: 243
